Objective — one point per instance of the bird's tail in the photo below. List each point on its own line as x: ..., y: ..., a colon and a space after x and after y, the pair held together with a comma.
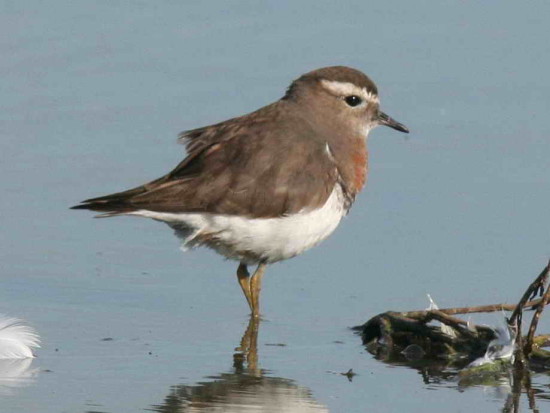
x: 112, y: 205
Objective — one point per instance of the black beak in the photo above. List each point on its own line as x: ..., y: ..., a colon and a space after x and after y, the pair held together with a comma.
x: 385, y: 120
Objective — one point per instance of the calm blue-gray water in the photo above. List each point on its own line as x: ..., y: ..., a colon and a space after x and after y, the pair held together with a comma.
x: 92, y: 97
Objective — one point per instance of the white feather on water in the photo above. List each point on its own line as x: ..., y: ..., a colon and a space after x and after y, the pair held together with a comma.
x: 17, y: 339
x: 444, y: 328
x: 501, y: 348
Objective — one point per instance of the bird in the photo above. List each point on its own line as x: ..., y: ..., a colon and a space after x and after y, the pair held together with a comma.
x: 269, y: 185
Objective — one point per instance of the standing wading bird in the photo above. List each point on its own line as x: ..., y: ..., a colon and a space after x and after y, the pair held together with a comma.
x: 267, y: 186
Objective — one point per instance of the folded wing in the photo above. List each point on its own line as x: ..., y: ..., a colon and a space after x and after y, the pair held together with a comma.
x: 237, y: 168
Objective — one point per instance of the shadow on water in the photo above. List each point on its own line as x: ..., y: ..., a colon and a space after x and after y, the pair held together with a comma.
x: 508, y: 383
x: 246, y: 386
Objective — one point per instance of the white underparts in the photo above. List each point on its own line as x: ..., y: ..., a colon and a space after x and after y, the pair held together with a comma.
x: 256, y: 239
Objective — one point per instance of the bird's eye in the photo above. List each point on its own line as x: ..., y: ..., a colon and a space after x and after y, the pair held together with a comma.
x: 353, y: 100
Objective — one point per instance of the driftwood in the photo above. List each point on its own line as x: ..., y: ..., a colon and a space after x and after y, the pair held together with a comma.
x: 446, y: 352
x: 413, y: 334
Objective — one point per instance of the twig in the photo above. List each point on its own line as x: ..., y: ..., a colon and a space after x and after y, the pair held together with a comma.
x: 457, y: 324
x: 535, y: 287
x: 540, y: 308
x: 488, y: 308
x: 464, y: 327
x: 400, y: 329
x: 516, y: 317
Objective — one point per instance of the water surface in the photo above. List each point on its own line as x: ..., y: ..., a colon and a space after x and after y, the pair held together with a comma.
x: 93, y: 96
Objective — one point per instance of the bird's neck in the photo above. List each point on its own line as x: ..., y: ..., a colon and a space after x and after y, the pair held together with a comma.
x: 360, y: 166
x: 351, y: 157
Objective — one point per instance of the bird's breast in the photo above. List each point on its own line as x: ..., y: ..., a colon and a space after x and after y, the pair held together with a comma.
x: 360, y: 168
x: 352, y: 161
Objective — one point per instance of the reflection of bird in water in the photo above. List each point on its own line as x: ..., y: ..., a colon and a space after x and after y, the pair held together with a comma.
x: 245, y: 389
x: 16, y: 343
x: 269, y: 185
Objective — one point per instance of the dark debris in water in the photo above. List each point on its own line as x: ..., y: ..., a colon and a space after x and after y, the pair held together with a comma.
x: 444, y: 347
x: 349, y: 374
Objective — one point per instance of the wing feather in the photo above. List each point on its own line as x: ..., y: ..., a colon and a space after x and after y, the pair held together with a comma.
x: 262, y: 166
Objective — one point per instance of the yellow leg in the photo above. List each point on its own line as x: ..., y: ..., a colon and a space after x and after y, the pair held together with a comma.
x: 251, y: 286
x: 256, y: 287
x: 244, y: 281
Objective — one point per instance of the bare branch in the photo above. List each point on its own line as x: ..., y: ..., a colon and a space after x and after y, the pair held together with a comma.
x: 540, y: 308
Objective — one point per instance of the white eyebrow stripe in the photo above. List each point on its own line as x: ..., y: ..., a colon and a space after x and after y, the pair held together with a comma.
x: 346, y: 89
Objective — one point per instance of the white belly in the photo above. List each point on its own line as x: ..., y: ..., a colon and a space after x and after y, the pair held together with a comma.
x: 254, y: 240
